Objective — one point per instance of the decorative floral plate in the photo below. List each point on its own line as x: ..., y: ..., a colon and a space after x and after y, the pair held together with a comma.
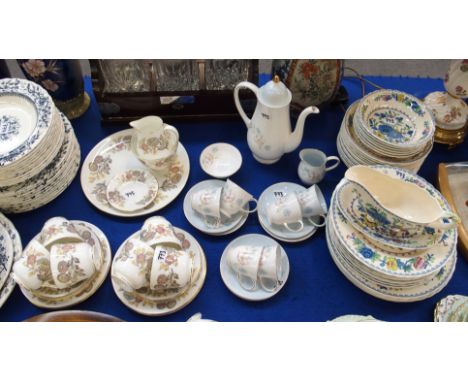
x: 220, y: 160
x: 453, y: 308
x: 6, y: 255
x: 112, y: 156
x: 230, y: 279
x: 59, y: 299
x: 9, y: 284
x: 25, y: 116
x: 150, y: 304
x: 267, y: 198
x: 132, y: 190
x: 227, y: 225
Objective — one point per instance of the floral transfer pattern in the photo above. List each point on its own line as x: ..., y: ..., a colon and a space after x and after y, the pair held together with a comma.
x: 391, y: 125
x: 9, y: 127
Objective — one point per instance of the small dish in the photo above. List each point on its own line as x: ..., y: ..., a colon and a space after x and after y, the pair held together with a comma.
x: 230, y: 279
x: 220, y: 160
x: 132, y: 190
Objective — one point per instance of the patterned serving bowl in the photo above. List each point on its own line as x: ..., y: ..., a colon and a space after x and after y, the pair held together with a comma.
x: 394, y: 122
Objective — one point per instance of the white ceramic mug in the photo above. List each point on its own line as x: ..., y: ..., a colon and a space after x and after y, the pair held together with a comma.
x: 245, y: 261
x: 313, y: 204
x: 207, y: 203
x: 58, y: 230
x: 286, y: 211
x: 33, y: 267
x: 71, y: 263
x: 158, y: 230
x: 312, y: 167
x: 131, y: 270
x: 234, y: 198
x: 271, y: 268
x: 171, y: 268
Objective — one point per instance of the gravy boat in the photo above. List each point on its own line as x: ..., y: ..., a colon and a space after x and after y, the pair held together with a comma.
x: 407, y: 206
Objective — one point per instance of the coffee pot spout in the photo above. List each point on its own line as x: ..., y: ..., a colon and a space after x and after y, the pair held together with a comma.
x: 295, y: 137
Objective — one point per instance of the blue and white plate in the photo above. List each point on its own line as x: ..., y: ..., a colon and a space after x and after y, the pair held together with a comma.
x: 26, y: 111
x: 6, y: 255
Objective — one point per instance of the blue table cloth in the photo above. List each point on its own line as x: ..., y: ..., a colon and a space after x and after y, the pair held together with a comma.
x: 315, y: 291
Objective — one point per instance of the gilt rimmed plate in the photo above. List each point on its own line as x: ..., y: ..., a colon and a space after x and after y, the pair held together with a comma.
x: 112, y: 156
x: 26, y: 111
x: 132, y: 190
x: 223, y: 227
x: 174, y: 301
x: 86, y: 289
x: 267, y: 198
x: 10, y: 283
x: 229, y: 276
x: 220, y: 160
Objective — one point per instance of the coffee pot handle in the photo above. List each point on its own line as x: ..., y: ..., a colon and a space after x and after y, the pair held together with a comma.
x: 240, y: 85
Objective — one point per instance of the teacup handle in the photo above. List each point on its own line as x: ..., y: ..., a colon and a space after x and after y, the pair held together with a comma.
x: 338, y: 161
x: 301, y: 226
x: 172, y: 130
x: 255, y: 209
x: 318, y: 225
x: 271, y: 290
x: 253, y: 285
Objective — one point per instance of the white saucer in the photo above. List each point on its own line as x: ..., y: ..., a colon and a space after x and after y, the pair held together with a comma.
x: 230, y: 278
x: 220, y: 160
x: 132, y: 190
x: 227, y: 225
x: 279, y: 232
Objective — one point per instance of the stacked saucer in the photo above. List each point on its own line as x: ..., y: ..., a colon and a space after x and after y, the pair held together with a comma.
x: 386, y: 127
x: 10, y: 250
x: 412, y: 269
x: 39, y: 153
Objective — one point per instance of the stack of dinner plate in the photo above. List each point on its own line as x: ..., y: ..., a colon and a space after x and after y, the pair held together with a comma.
x: 413, y: 270
x: 10, y: 251
x: 386, y: 127
x: 39, y: 153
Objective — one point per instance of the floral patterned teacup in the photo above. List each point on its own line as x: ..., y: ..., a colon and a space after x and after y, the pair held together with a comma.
x: 286, y: 211
x: 171, y: 268
x: 157, y: 230
x: 245, y: 262
x: 456, y: 79
x: 59, y: 230
x: 270, y: 269
x: 207, y: 203
x: 71, y: 263
x: 32, y: 270
x: 313, y: 204
x: 154, y: 142
x: 131, y: 270
x: 312, y: 167
x: 234, y: 198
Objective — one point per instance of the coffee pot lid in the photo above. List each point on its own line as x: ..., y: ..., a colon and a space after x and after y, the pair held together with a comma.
x: 274, y: 93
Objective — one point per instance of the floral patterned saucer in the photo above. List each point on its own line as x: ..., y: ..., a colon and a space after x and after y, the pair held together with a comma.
x: 225, y: 226
x: 9, y: 284
x: 52, y: 298
x: 112, y: 156
x: 151, y: 303
x: 220, y: 160
x: 230, y: 278
x: 453, y: 308
x: 132, y: 190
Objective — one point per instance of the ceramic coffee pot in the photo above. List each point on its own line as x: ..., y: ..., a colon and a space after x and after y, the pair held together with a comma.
x: 269, y: 132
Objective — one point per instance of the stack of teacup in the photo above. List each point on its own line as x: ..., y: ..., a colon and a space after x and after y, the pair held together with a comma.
x: 153, y: 260
x: 257, y: 266
x: 59, y: 262
x: 220, y: 205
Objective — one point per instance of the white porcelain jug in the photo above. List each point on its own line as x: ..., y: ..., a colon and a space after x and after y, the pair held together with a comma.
x: 269, y: 131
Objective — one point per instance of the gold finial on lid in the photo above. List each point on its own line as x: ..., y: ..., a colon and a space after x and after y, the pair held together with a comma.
x: 276, y: 79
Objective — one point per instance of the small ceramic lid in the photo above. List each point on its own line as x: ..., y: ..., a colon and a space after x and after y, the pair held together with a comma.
x: 275, y: 94
x: 450, y: 113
